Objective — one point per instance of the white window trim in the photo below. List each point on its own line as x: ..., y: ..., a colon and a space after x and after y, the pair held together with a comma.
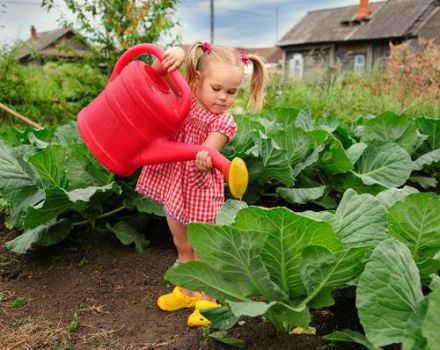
x: 359, y: 64
x: 296, y: 66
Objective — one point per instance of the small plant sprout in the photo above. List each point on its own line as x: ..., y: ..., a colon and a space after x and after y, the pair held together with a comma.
x: 19, y: 302
x: 74, y: 324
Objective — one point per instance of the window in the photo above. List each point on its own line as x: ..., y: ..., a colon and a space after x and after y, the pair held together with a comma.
x: 296, y: 66
x: 359, y: 64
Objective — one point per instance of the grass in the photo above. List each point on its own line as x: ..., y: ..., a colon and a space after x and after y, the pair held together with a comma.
x: 346, y: 97
x: 19, y: 302
x: 74, y: 324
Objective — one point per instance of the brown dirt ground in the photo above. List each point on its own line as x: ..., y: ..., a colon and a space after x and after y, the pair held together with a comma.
x: 91, y: 292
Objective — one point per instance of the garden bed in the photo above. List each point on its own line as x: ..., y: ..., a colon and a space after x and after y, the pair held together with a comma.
x: 92, y: 292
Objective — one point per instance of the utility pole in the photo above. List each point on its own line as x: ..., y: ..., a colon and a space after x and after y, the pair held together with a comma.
x: 277, y: 23
x: 212, y: 22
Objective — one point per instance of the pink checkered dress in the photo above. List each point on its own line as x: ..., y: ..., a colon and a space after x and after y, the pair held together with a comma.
x: 187, y: 194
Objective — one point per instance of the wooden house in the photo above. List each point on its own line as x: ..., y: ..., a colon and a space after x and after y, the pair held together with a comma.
x: 58, y: 44
x: 356, y: 37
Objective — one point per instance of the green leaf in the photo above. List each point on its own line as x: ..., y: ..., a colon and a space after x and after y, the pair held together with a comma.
x: 47, y: 234
x: 67, y: 135
x: 237, y: 255
x: 422, y: 330
x: 221, y: 337
x: 297, y: 143
x: 360, y: 220
x: 424, y: 181
x: 249, y: 308
x: 355, y: 151
x: 431, y: 322
x: 413, y: 338
x: 285, y: 317
x: 50, y: 165
x: 83, y: 170
x: 56, y: 233
x: 304, y: 120
x: 388, y: 292
x: 323, y: 270
x: 300, y: 195
x: 221, y: 317
x: 311, y: 159
x: 144, y: 205
x: 334, y: 159
x: 228, y: 211
x: 128, y: 235
x: 20, y: 184
x: 388, y: 165
x: 276, y: 166
x: 389, y: 127
x: 427, y: 159
x: 415, y: 221
x: 343, y: 182
x: 393, y: 195
x: 56, y: 202
x: 199, y: 276
x: 287, y: 234
x: 430, y: 127
x: 347, y: 335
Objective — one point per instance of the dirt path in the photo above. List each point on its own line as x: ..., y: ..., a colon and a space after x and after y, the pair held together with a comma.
x: 92, y: 292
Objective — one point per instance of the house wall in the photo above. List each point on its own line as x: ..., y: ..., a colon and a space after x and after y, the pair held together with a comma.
x: 338, y: 57
x: 315, y: 60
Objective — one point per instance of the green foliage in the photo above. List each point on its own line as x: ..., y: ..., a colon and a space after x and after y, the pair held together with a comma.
x: 52, y: 184
x: 19, y: 302
x: 74, y: 324
x: 301, y: 160
x: 51, y: 94
x: 277, y: 264
x: 347, y: 97
x: 115, y: 25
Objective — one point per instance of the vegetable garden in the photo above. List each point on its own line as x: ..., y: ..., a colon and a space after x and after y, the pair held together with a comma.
x: 331, y: 208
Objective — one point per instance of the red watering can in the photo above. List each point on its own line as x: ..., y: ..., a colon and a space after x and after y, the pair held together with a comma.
x: 128, y: 124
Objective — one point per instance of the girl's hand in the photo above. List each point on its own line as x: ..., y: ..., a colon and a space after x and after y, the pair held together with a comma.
x: 173, y: 59
x: 203, y: 161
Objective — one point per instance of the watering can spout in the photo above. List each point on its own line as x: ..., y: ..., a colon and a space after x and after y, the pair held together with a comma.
x: 164, y: 151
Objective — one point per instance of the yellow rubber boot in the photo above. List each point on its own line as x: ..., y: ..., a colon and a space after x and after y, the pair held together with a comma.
x: 196, y: 319
x: 176, y: 300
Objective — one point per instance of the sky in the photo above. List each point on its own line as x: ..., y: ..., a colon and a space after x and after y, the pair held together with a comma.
x: 243, y: 23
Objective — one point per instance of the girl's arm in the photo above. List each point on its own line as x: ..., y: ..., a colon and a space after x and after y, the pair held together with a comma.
x: 215, y: 140
x: 172, y: 59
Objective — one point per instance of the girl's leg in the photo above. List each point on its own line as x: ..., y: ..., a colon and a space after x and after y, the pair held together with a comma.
x: 185, y: 252
x: 172, y: 302
x: 178, y: 230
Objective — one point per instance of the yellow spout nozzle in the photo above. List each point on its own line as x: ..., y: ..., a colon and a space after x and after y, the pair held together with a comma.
x: 238, y: 177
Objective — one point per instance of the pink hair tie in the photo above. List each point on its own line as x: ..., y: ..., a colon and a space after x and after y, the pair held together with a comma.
x: 206, y: 47
x: 244, y: 57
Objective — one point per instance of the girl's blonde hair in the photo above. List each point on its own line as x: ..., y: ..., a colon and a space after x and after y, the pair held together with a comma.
x: 202, y: 54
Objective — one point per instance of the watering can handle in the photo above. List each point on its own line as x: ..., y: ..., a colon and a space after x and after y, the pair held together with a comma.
x: 142, y: 49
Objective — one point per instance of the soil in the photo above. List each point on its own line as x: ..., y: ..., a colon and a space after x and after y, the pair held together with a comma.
x: 91, y: 292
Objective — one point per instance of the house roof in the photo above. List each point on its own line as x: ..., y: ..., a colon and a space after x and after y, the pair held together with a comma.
x: 270, y: 54
x: 388, y: 19
x: 43, y: 42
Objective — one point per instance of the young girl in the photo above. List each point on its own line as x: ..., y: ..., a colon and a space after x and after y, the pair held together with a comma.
x: 192, y: 191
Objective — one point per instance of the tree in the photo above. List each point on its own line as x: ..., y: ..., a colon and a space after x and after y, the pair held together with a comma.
x: 115, y: 25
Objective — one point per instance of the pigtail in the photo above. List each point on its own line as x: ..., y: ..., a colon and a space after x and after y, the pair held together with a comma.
x: 258, y: 79
x: 191, y: 65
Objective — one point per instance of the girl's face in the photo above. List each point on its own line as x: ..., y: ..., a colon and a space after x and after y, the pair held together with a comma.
x: 218, y: 87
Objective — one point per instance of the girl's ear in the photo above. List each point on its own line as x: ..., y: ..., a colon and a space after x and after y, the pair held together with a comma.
x: 198, y: 80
